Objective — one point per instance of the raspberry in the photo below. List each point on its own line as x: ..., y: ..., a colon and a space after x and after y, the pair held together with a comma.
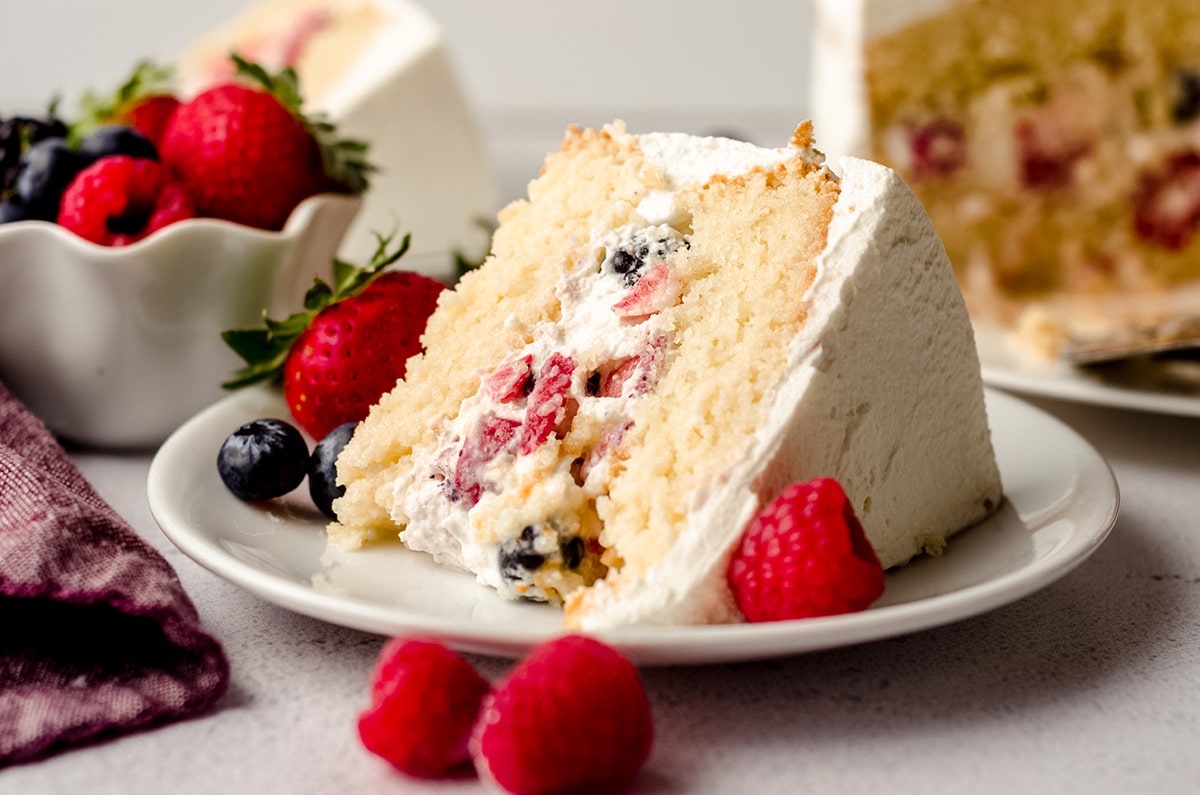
x: 424, y: 702
x: 572, y: 717
x: 119, y: 200
x: 804, y: 555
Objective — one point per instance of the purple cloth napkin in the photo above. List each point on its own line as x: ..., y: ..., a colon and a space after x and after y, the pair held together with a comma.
x: 97, y: 636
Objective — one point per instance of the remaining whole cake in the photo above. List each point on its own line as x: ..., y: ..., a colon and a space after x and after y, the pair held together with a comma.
x: 1055, y: 145
x: 379, y: 69
x: 667, y: 333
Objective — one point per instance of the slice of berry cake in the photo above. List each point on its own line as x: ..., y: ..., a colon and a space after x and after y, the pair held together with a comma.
x: 668, y: 332
x: 1055, y: 145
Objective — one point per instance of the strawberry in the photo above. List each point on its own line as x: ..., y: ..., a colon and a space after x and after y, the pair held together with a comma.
x: 349, y: 345
x: 250, y: 155
x: 491, y: 436
x: 547, y: 402
x: 144, y: 102
x: 804, y: 555
x: 656, y: 290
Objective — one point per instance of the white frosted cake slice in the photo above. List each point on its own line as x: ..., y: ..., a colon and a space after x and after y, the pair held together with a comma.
x: 669, y: 331
x: 380, y: 70
x: 1056, y: 146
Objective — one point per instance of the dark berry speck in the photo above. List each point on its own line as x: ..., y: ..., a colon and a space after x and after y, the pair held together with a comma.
x: 1185, y: 96
x: 113, y: 139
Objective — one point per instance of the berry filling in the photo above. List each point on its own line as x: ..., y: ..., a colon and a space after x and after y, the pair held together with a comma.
x: 509, y: 491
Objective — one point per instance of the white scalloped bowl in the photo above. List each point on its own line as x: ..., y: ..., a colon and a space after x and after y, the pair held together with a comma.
x: 116, y: 347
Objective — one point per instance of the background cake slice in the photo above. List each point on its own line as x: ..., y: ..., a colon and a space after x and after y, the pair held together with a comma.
x: 668, y: 332
x: 1055, y: 145
x: 381, y: 71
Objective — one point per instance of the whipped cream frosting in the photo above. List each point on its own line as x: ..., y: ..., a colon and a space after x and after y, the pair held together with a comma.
x: 925, y: 461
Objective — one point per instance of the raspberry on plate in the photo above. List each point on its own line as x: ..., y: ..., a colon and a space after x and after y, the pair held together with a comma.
x: 572, y: 717
x: 804, y: 555
x: 424, y: 702
x: 119, y: 200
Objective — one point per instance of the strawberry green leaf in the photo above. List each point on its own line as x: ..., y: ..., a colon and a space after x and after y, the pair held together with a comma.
x: 463, y: 264
x: 265, y: 350
x: 96, y: 110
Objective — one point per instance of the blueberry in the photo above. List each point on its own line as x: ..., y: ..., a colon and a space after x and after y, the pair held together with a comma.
x: 46, y: 171
x: 572, y: 549
x: 1185, y: 104
x: 519, y: 557
x: 18, y: 133
x: 624, y: 262
x: 113, y: 139
x: 322, y: 468
x: 262, y: 460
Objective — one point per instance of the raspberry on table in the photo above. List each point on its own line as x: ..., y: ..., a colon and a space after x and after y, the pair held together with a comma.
x: 805, y: 555
x: 424, y: 703
x: 572, y: 717
x: 119, y: 200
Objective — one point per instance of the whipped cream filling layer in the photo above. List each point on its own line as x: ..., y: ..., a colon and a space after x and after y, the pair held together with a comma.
x: 499, y: 493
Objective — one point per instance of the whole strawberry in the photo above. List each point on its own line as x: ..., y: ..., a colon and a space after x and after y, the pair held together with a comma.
x: 804, y: 555
x: 249, y: 154
x: 571, y: 718
x: 145, y: 102
x: 424, y: 701
x: 349, y: 345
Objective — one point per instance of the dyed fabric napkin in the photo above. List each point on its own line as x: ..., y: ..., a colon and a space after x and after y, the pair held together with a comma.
x: 97, y: 636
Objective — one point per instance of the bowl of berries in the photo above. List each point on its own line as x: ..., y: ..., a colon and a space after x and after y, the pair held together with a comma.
x: 131, y: 237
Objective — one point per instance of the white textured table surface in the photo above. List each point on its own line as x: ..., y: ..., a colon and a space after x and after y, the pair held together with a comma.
x: 1091, y: 685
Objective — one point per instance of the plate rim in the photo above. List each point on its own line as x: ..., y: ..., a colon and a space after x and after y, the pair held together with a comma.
x: 1000, y: 368
x: 651, y: 645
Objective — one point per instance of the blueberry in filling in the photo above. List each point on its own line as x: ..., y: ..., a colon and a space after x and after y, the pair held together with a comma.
x: 642, y: 251
x: 572, y: 552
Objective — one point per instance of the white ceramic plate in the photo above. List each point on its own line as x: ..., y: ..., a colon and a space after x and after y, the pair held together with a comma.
x: 1061, y: 501
x: 1143, y: 389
